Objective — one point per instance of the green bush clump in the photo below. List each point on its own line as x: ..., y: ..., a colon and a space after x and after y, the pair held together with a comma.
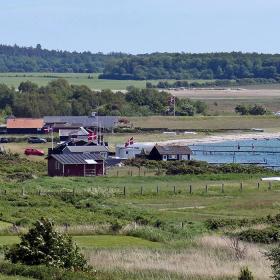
x: 245, y: 274
x: 42, y: 272
x: 267, y: 235
x: 42, y: 245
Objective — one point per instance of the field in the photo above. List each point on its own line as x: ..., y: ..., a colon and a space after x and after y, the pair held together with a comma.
x: 219, y: 123
x: 223, y: 102
x: 42, y: 79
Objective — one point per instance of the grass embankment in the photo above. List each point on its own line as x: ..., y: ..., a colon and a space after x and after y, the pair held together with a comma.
x: 210, y: 123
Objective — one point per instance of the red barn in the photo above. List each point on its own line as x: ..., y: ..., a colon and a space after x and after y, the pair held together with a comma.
x: 76, y: 165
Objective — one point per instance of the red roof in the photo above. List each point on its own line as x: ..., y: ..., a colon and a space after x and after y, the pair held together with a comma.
x: 25, y: 123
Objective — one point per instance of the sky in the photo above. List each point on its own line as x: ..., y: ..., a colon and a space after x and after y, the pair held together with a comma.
x: 142, y: 26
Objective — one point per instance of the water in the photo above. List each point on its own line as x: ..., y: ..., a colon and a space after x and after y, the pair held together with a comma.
x: 264, y: 152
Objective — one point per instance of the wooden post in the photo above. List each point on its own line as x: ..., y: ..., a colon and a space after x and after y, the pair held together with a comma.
x: 117, y: 173
x: 269, y: 186
x: 141, y: 190
x: 22, y: 191
x: 144, y: 172
x: 139, y: 173
x: 190, y: 189
x: 130, y: 172
x: 258, y: 185
x: 223, y: 188
x: 124, y: 191
x: 157, y: 189
x: 73, y: 191
x: 174, y: 189
x: 206, y: 188
x: 241, y: 186
x: 5, y: 191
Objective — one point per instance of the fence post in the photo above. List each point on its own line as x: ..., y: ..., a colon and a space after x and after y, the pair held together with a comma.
x: 130, y: 172
x: 22, y: 191
x: 157, y: 189
x: 241, y: 186
x: 258, y: 185
x: 223, y: 188
x: 73, y: 191
x: 144, y: 173
x: 190, y: 189
x: 206, y: 188
x: 141, y: 190
x: 174, y: 189
x: 124, y: 191
x: 117, y: 173
x: 269, y: 186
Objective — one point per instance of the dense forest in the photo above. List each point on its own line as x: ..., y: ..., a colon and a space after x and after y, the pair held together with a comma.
x: 28, y: 59
x: 206, y: 66
x: 178, y: 66
x: 61, y: 98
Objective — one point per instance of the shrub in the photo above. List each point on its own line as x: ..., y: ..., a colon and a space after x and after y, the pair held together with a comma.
x: 245, y: 274
x: 267, y: 235
x: 43, y: 245
x: 274, y: 256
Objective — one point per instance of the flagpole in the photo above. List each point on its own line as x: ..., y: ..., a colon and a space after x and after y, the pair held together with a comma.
x: 52, y: 138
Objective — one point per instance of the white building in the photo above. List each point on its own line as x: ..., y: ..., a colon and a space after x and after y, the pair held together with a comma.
x: 132, y: 150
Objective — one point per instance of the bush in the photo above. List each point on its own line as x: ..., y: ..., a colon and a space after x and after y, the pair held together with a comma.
x: 44, y: 246
x: 267, y: 235
x: 274, y: 256
x: 245, y: 274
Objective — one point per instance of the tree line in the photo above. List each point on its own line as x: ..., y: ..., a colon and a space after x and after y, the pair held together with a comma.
x: 60, y: 98
x: 29, y: 59
x: 207, y: 66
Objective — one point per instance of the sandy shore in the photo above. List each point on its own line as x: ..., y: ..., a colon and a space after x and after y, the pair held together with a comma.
x: 222, y: 138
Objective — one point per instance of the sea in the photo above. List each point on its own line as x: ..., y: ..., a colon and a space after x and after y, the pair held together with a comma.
x: 263, y: 152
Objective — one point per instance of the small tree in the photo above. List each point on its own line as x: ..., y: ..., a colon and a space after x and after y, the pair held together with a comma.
x: 245, y: 274
x: 43, y: 245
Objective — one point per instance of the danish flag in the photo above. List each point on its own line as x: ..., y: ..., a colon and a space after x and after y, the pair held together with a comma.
x: 129, y: 142
x: 92, y: 136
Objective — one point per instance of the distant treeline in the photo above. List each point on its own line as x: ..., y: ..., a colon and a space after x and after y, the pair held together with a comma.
x: 207, y: 66
x: 61, y: 98
x: 210, y: 84
x: 28, y: 59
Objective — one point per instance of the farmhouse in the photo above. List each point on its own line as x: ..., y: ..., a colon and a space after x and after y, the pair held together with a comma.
x: 25, y: 126
x: 76, y: 165
x: 170, y: 152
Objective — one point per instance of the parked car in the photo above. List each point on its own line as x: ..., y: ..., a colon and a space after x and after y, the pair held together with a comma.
x: 4, y: 140
x: 34, y: 152
x: 36, y: 140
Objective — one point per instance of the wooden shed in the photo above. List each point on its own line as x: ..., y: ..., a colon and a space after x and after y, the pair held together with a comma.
x: 76, y: 165
x: 170, y: 152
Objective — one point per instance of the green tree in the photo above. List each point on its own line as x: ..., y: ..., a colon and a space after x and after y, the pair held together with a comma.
x: 43, y: 245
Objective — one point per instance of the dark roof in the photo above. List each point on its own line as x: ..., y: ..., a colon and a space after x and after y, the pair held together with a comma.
x: 173, y: 150
x: 75, y: 158
x: 87, y: 149
x: 86, y: 121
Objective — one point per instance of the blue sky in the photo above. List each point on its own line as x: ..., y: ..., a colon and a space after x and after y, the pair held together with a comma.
x: 141, y: 26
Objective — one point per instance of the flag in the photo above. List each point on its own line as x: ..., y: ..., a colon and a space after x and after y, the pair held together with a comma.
x: 129, y: 142
x: 47, y: 129
x: 92, y: 136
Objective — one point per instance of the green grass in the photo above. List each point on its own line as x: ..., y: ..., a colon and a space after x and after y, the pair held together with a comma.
x: 7, y: 277
x: 42, y: 79
x: 97, y: 242
x: 207, y: 122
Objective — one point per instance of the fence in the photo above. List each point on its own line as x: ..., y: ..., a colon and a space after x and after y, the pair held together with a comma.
x: 124, y: 191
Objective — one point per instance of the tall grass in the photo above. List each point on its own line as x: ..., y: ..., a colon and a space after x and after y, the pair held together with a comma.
x: 209, y: 257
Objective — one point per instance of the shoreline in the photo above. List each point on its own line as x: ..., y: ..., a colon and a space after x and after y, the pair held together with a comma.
x: 223, y: 138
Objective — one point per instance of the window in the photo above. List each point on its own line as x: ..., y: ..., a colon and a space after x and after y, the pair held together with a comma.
x: 164, y: 157
x: 172, y: 156
x: 57, y: 165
